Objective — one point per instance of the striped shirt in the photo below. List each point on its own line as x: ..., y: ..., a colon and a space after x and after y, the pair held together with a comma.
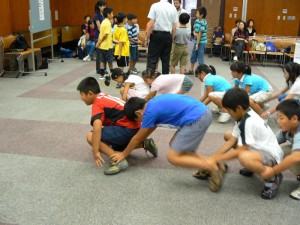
x: 201, y: 26
x: 132, y: 33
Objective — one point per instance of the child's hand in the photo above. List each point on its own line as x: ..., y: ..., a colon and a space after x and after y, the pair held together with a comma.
x: 98, y: 159
x: 268, y: 173
x: 196, y: 47
x: 212, y: 164
x: 117, y: 157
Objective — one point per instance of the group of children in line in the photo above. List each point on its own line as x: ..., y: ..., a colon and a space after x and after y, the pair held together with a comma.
x: 119, y: 127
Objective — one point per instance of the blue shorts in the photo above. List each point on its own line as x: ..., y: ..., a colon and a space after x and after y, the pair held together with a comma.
x: 134, y: 53
x: 117, y: 137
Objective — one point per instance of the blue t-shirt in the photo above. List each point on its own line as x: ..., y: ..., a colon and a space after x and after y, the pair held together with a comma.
x: 256, y: 83
x: 219, y: 84
x: 177, y: 110
x: 99, y: 17
x: 201, y: 26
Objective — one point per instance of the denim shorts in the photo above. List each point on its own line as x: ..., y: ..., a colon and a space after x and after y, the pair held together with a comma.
x: 117, y: 137
x: 134, y: 53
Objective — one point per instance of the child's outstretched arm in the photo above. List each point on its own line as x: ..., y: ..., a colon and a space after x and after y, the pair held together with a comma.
x: 97, y: 129
x: 204, y: 97
x: 125, y: 90
x: 230, y: 155
x: 150, y: 96
x: 288, y: 162
x: 140, y: 136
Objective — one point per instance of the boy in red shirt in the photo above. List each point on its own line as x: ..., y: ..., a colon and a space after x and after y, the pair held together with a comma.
x: 112, y: 130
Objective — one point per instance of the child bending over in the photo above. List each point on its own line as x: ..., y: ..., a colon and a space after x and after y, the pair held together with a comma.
x: 288, y: 116
x: 254, y: 143
x: 215, y: 88
x: 112, y: 130
x: 166, y: 84
x: 134, y: 86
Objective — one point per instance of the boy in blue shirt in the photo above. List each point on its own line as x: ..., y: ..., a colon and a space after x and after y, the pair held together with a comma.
x: 200, y: 30
x: 191, y: 116
x: 132, y: 29
x: 288, y: 116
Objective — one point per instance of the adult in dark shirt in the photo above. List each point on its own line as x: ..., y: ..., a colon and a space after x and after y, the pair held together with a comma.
x: 98, y: 18
x: 250, y: 28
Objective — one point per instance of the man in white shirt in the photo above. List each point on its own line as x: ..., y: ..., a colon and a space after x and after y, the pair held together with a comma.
x: 163, y: 21
x: 177, y: 4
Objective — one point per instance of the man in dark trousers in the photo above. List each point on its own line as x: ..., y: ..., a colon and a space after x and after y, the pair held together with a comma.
x: 163, y: 21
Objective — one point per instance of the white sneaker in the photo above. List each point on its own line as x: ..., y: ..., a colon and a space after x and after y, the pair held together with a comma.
x: 87, y: 58
x: 215, y: 110
x: 235, y: 58
x: 224, y: 117
x: 296, y: 194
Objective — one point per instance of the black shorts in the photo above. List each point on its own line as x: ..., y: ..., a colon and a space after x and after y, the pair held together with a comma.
x: 106, y: 56
x: 123, y: 61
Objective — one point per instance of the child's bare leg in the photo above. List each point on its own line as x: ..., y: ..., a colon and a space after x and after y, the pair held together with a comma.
x: 182, y: 69
x: 104, y: 148
x: 192, y: 67
x: 188, y: 160
x: 172, y: 69
x: 252, y: 161
x: 132, y: 65
x: 217, y: 101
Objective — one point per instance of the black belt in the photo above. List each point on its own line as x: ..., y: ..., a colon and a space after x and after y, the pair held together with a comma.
x: 162, y: 32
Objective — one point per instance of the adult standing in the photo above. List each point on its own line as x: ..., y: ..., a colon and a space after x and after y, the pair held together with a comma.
x: 163, y: 21
x: 98, y: 18
x: 177, y: 4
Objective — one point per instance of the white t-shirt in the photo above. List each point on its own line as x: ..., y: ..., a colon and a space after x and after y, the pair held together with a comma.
x: 295, y: 89
x: 164, y: 15
x: 170, y: 84
x: 258, y: 135
x: 140, y: 87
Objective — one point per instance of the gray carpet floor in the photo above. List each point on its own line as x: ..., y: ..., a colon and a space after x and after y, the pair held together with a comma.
x: 48, y: 174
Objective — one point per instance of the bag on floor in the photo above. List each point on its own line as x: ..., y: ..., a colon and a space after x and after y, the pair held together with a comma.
x: 44, y: 64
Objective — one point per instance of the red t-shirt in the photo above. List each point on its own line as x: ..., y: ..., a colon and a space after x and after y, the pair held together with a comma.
x: 110, y: 110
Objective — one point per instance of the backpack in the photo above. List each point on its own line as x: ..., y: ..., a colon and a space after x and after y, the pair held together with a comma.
x: 270, y: 46
x: 261, y: 47
x: 19, y: 44
x: 253, y: 43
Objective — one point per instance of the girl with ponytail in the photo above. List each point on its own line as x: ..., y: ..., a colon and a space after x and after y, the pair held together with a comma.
x: 258, y: 89
x: 215, y: 87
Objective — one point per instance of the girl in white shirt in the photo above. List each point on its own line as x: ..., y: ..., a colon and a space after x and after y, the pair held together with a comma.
x: 166, y: 84
x: 134, y: 86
